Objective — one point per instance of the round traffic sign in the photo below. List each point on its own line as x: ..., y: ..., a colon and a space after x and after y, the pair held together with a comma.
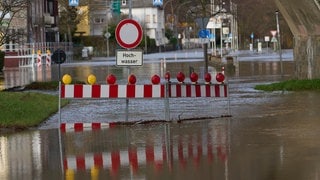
x: 128, y: 33
x: 59, y: 56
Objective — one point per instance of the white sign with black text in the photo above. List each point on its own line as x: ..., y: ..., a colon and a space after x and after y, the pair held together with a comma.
x: 129, y: 58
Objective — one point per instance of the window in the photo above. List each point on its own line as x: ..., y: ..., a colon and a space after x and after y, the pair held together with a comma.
x: 147, y: 18
x: 98, y: 20
x: 154, y: 18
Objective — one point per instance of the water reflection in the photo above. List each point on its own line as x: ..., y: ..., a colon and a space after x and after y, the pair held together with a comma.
x: 26, y: 156
x: 277, y: 139
x: 146, y: 152
x: 15, y: 77
x: 174, y: 151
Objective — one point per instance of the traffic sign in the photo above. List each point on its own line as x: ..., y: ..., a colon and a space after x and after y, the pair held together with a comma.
x: 73, y: 2
x: 128, y: 33
x: 157, y: 2
x: 273, y: 32
x: 252, y: 35
x: 274, y: 39
x: 129, y: 58
x: 116, y: 6
x: 59, y: 56
x: 204, y: 33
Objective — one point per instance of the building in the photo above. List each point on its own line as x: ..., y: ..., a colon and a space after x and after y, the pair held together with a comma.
x: 42, y: 21
x: 150, y: 17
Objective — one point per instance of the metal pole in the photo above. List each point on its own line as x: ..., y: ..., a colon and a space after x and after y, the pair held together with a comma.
x: 59, y: 103
x: 221, y: 45
x: 166, y: 102
x: 130, y: 9
x: 107, y: 33
x: 279, y: 43
x: 127, y: 99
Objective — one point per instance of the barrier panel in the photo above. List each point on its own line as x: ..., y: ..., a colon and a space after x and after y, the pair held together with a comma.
x: 143, y: 91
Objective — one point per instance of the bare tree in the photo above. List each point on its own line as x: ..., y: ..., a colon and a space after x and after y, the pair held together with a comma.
x: 13, y: 15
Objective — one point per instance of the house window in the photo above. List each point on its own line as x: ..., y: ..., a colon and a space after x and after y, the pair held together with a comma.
x: 98, y: 20
x: 147, y: 18
x: 50, y: 7
x: 154, y: 18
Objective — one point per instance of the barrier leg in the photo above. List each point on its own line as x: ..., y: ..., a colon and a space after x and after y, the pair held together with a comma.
x: 127, y: 110
x: 166, y: 103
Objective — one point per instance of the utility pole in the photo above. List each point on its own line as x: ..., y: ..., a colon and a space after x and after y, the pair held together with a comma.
x: 279, y: 43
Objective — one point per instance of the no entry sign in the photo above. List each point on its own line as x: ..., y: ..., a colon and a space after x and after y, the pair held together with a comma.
x: 128, y: 33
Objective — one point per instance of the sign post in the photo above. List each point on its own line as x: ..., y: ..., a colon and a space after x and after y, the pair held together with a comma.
x: 129, y: 35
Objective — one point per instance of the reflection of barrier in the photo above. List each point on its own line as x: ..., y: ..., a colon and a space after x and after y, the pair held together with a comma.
x: 187, y: 149
x: 84, y: 126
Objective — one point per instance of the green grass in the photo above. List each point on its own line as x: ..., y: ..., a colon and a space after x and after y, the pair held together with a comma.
x: 24, y: 109
x: 291, y: 85
x: 52, y: 85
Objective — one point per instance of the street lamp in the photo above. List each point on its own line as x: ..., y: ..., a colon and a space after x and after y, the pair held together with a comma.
x: 279, y: 43
x: 107, y: 36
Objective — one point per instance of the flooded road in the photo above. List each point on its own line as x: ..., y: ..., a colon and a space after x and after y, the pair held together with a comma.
x: 271, y: 135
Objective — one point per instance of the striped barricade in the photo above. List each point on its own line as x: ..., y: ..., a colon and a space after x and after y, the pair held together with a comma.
x: 143, y: 91
x: 132, y: 91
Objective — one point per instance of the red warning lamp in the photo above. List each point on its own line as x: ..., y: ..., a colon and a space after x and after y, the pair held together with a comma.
x: 111, y: 79
x: 207, y: 78
x: 167, y: 76
x: 220, y: 77
x: 132, y: 79
x: 180, y: 77
x: 155, y: 79
x: 194, y: 77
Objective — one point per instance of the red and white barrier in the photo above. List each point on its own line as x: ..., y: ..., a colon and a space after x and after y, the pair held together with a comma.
x: 143, y: 91
x: 197, y: 90
x: 48, y: 58
x: 39, y: 59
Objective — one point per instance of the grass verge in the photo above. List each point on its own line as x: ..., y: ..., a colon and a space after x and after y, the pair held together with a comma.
x: 291, y: 85
x: 24, y: 109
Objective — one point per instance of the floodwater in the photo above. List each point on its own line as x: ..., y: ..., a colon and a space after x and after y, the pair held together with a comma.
x: 270, y: 135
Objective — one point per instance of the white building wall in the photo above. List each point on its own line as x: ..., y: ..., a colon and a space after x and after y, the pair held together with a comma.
x: 152, y: 21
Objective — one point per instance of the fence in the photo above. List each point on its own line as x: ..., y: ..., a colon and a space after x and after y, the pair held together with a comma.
x: 26, y: 55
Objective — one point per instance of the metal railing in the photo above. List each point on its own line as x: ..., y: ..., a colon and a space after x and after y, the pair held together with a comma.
x: 27, y: 53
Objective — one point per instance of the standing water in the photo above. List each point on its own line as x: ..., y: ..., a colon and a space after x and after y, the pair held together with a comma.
x: 271, y: 135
